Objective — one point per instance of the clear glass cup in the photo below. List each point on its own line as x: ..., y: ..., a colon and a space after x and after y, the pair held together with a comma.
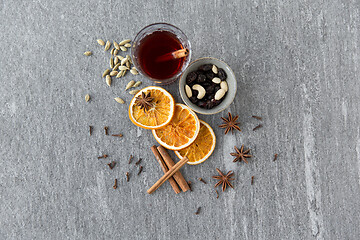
x: 154, y: 28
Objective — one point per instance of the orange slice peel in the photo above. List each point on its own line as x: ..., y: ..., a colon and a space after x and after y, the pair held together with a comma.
x: 181, y: 131
x: 202, y: 148
x: 159, y: 114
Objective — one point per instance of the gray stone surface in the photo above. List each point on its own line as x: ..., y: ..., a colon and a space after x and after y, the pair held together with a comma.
x: 297, y: 65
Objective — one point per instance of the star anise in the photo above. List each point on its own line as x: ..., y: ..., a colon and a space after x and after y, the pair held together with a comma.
x: 224, y: 179
x: 241, y: 155
x: 230, y: 123
x: 144, y: 101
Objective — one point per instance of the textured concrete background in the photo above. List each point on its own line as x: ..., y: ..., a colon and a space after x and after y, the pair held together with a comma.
x: 297, y: 66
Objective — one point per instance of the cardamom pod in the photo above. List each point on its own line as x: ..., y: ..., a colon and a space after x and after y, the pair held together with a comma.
x: 101, y: 42
x: 108, y: 80
x: 88, y: 53
x: 107, y: 45
x: 134, y: 71
x: 119, y: 75
x: 130, y: 84
x: 116, y: 45
x: 123, y: 61
x: 123, y: 68
x: 124, y: 42
x: 111, y: 62
x: 113, y: 73
x: 87, y: 97
x: 137, y: 84
x: 119, y: 100
x: 133, y: 92
x: 106, y: 72
x: 129, y: 59
x: 116, y: 66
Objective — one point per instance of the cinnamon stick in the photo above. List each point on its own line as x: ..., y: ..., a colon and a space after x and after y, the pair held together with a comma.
x: 177, y: 176
x: 180, y: 53
x: 168, y: 174
x: 165, y: 169
x: 173, y: 55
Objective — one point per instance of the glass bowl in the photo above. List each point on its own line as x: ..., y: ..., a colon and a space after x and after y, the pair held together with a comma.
x: 149, y: 30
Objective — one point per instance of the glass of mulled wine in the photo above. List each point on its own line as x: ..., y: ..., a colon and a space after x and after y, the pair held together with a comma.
x: 154, y: 52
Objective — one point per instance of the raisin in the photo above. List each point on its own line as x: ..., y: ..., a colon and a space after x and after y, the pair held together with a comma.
x: 193, y: 99
x: 217, y: 102
x: 191, y: 77
x: 214, y: 84
x: 212, y: 103
x: 210, y: 89
x: 194, y: 92
x: 200, y: 72
x: 201, y: 78
x: 201, y: 104
x: 206, y: 84
x: 210, y: 75
x: 205, y: 67
x: 222, y: 74
x: 209, y: 104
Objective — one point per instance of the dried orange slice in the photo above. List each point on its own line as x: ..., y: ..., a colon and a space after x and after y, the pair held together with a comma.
x: 181, y: 131
x: 202, y: 147
x: 158, y: 111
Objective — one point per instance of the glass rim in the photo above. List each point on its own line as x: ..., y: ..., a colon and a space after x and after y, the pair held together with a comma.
x: 185, y: 64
